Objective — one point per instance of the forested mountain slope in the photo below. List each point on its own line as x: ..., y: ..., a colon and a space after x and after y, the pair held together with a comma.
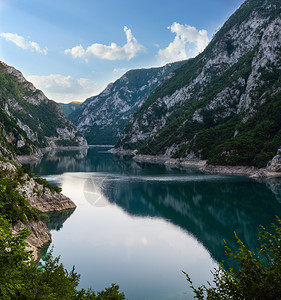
x: 223, y: 105
x: 28, y: 119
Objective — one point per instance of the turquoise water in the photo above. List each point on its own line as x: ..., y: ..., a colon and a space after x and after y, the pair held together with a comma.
x: 139, y: 225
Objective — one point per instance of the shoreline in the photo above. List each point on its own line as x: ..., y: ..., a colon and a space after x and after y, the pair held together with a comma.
x: 37, y: 156
x: 59, y: 148
x: 249, y: 171
x: 202, y: 165
x: 41, y: 235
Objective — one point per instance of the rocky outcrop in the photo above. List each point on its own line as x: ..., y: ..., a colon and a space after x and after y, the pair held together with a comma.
x: 7, y: 168
x: 39, y: 235
x: 38, y: 195
x: 42, y: 198
x: 275, y: 164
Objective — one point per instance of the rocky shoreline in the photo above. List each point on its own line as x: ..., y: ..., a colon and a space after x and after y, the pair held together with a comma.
x: 40, y: 236
x: 21, y: 159
x: 45, y: 201
x: 273, y: 169
x: 42, y: 198
x: 240, y: 170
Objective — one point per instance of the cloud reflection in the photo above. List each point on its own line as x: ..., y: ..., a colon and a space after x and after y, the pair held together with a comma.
x: 93, y: 191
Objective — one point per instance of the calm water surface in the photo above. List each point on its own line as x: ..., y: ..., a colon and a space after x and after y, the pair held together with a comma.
x: 139, y: 225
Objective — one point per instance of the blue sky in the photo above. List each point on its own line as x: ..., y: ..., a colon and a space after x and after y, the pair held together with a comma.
x: 72, y: 49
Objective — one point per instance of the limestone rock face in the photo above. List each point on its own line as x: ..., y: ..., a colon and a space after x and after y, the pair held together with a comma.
x: 42, y: 198
x: 7, y: 167
x: 224, y: 104
x: 275, y: 164
x: 40, y: 235
x: 51, y: 201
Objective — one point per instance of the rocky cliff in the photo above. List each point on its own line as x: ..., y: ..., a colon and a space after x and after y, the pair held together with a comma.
x: 102, y: 118
x: 39, y: 196
x: 39, y: 235
x: 275, y: 164
x: 29, y: 120
x: 42, y: 198
x: 225, y: 104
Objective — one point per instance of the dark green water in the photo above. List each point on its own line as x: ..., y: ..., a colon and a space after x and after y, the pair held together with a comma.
x: 140, y: 224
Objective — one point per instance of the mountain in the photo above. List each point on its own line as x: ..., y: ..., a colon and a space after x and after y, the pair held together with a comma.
x: 223, y: 105
x: 29, y: 120
x: 68, y: 108
x: 102, y: 118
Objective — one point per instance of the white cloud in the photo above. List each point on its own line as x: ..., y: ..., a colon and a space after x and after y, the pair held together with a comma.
x: 112, y: 52
x: 77, y: 51
x: 187, y: 43
x: 65, y: 88
x: 22, y: 43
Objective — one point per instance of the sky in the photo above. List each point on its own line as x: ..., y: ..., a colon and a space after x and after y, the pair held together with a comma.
x: 72, y: 49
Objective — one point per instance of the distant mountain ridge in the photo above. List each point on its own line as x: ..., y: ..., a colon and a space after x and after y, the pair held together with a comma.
x: 223, y: 105
x: 29, y: 120
x: 68, y: 108
x: 102, y: 118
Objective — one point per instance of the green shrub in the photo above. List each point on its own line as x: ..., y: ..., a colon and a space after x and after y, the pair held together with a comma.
x: 45, y: 183
x: 21, y: 279
x: 258, y: 273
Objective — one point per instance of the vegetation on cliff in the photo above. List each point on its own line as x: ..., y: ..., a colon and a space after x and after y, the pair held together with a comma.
x: 257, y: 275
x: 28, y: 119
x: 223, y: 105
x: 22, y: 279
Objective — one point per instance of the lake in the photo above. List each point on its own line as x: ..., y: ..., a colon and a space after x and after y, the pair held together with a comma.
x: 139, y: 224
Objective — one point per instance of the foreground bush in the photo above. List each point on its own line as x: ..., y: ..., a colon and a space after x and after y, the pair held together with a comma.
x: 22, y: 279
x: 258, y: 275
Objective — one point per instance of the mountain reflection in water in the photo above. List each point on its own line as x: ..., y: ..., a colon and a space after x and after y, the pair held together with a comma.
x: 209, y: 210
x: 57, y: 218
x: 209, y: 207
